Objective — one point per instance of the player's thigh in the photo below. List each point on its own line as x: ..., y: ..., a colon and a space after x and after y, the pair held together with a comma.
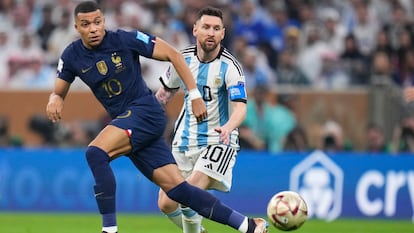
x: 200, y: 180
x: 185, y: 161
x: 113, y: 140
x: 217, y: 162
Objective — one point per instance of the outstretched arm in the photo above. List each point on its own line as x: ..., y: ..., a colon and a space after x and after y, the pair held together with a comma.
x: 165, y: 52
x: 55, y: 105
x: 236, y: 118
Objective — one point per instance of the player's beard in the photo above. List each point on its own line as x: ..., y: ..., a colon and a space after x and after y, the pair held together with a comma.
x: 208, y: 47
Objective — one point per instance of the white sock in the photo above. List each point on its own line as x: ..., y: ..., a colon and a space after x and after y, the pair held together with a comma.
x: 176, y: 217
x: 112, y: 229
x: 191, y: 221
x: 244, y: 226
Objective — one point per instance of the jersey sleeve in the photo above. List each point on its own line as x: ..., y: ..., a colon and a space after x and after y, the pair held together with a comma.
x: 64, y: 67
x: 236, y: 84
x: 140, y: 42
x: 170, y: 79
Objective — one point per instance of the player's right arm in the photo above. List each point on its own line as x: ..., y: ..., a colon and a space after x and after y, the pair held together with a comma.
x: 55, y: 105
x: 170, y: 84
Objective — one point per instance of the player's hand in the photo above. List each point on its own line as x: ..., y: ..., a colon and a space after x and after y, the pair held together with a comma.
x: 163, y: 96
x: 54, y: 108
x: 199, y: 109
x: 224, y: 134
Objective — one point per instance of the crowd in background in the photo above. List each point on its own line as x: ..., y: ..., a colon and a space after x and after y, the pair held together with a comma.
x: 317, y: 44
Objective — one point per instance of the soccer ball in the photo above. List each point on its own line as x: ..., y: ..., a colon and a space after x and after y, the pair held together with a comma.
x: 287, y: 211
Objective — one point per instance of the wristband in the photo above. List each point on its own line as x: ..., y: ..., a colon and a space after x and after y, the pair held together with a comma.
x: 194, y: 94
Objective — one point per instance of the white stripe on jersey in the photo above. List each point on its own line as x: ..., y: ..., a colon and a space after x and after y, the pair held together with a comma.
x: 213, y: 80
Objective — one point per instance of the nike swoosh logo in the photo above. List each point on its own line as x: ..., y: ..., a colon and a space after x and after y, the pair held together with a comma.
x: 86, y: 70
x: 98, y: 194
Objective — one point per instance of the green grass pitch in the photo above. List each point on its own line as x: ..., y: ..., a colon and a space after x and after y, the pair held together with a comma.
x: 11, y: 222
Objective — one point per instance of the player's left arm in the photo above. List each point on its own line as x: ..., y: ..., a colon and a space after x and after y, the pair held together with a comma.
x: 235, y: 120
x: 165, y: 52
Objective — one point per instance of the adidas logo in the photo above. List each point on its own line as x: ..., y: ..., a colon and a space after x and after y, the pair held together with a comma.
x: 209, y: 166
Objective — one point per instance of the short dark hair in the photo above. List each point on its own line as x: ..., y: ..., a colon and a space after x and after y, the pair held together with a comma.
x: 86, y: 7
x: 209, y: 10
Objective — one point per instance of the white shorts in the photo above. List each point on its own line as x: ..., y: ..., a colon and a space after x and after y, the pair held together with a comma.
x: 216, y: 161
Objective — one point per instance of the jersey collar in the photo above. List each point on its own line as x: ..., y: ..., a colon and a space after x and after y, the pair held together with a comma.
x: 217, y: 57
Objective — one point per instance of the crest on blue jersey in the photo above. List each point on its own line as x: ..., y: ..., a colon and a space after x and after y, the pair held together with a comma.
x: 117, y: 60
x: 102, y: 68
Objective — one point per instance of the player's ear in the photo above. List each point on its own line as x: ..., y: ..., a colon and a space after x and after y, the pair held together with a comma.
x: 195, y: 29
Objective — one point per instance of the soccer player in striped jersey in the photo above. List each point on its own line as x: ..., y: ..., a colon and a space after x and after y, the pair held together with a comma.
x: 108, y: 62
x: 206, y: 150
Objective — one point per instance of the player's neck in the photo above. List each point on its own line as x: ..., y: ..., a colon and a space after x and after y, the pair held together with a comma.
x: 207, y: 57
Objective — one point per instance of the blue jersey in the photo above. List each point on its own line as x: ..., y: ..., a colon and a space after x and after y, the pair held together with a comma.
x: 112, y: 70
x: 219, y: 82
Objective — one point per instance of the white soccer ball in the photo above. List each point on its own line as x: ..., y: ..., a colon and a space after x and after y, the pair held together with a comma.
x: 287, y: 210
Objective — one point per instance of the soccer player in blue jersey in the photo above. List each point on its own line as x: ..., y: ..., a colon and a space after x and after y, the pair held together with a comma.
x: 108, y: 62
x: 205, y: 151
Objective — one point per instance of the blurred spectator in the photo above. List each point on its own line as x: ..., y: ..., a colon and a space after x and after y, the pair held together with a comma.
x: 385, y: 96
x: 287, y: 72
x: 36, y: 74
x: 47, y: 26
x: 403, y: 138
x: 365, y: 26
x: 333, y: 32
x: 308, y: 21
x: 5, y: 48
x: 291, y: 39
x: 21, y: 55
x: 282, y: 123
x: 397, y: 25
x: 44, y: 128
x: 310, y: 56
x: 375, y: 140
x: 63, y: 34
x: 250, y: 23
x: 7, y: 140
x: 354, y: 62
x: 168, y: 28
x: 405, y: 73
x: 297, y: 140
x: 255, y: 70
x: 333, y: 139
x: 332, y: 75
x: 266, y: 126
x: 277, y: 26
x: 252, y: 132
x: 383, y: 44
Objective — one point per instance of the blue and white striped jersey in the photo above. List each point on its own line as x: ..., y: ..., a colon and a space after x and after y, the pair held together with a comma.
x: 219, y: 82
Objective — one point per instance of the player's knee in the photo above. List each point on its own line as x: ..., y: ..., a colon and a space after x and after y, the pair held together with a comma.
x: 165, y: 204
x: 95, y: 156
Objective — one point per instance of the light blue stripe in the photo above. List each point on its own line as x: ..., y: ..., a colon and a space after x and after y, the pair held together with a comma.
x: 184, y: 137
x: 176, y: 213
